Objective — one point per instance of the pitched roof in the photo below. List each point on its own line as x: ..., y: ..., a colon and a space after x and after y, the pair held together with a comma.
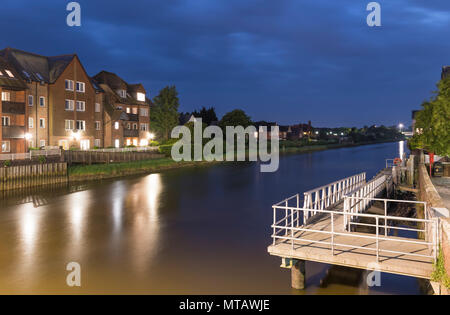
x: 6, y: 81
x: 115, y: 83
x: 34, y: 67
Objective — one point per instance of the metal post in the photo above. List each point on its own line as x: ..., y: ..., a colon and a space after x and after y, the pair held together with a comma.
x: 274, y: 221
x: 332, y: 233
x: 378, y: 248
x: 292, y: 228
x: 385, y: 218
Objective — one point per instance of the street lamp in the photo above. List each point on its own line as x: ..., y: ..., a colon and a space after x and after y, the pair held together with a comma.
x: 151, y: 136
x: 28, y: 136
x: 400, y: 126
x: 76, y: 136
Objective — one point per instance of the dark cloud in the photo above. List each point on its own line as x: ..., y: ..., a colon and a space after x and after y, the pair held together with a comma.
x: 285, y: 60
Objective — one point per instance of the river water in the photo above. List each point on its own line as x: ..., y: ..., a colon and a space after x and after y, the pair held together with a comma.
x: 201, y: 230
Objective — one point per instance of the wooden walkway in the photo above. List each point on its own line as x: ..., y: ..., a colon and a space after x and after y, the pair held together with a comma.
x: 324, y: 239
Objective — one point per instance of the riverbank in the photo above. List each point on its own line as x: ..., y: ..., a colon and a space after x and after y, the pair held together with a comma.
x: 322, y: 147
x: 81, y: 173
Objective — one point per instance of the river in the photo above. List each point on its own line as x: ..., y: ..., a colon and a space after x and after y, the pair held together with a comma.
x: 200, y: 230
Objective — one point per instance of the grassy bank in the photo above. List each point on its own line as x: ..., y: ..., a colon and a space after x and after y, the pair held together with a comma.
x: 321, y: 147
x: 105, y: 171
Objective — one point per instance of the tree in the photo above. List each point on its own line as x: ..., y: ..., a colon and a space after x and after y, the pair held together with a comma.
x: 234, y: 118
x: 207, y: 115
x: 164, y: 115
x: 433, y: 122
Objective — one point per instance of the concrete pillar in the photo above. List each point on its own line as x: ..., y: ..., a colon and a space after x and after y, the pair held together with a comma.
x: 298, y: 275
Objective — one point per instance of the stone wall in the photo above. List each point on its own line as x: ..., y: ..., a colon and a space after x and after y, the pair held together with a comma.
x: 428, y: 193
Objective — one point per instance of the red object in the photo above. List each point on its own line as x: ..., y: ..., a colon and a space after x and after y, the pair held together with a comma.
x: 397, y: 161
x: 431, y: 160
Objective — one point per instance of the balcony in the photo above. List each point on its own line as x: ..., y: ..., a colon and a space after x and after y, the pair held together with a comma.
x: 133, y: 117
x: 130, y: 133
x: 16, y: 108
x: 13, y: 132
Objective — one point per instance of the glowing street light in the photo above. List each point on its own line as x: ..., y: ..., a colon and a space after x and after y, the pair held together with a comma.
x: 151, y: 136
x: 76, y: 136
x: 400, y: 126
x: 28, y: 136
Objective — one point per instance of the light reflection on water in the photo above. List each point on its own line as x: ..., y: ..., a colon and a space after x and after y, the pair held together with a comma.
x: 197, y: 231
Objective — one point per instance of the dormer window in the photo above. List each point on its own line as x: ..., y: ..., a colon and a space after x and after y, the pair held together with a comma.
x: 141, y: 97
x: 9, y: 73
x: 122, y: 93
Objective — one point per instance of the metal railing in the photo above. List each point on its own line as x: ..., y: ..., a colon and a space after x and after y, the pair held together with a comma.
x: 328, y: 195
x: 357, y: 201
x: 293, y: 228
x: 390, y: 163
x: 131, y: 149
x: 29, y: 155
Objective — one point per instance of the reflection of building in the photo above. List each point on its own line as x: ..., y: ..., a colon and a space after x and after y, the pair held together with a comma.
x: 127, y: 111
x: 12, y: 109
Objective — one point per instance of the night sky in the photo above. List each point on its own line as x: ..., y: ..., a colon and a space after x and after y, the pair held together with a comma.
x: 288, y: 61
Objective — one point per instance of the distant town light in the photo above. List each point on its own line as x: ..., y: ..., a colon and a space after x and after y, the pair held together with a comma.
x: 317, y: 132
x: 400, y: 126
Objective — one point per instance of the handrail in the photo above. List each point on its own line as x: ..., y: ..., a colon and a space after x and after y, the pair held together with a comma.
x: 291, y: 229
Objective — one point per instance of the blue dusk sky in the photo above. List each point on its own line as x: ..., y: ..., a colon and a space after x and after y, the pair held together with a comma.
x: 287, y: 61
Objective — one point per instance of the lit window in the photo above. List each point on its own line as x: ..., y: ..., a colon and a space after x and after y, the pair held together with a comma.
x: 117, y: 143
x: 6, y: 96
x: 9, y: 73
x: 81, y: 106
x: 5, y: 146
x: 144, y: 112
x: 69, y: 124
x: 122, y: 93
x: 128, y: 142
x: 97, y: 143
x: 141, y: 97
x: 69, y: 85
x: 135, y: 110
x: 144, y: 142
x: 116, y: 125
x: 135, y: 142
x: 98, y: 125
x: 30, y: 100
x: 128, y: 110
x: 97, y: 108
x: 42, y: 143
x: 5, y: 121
x: 42, y: 122
x: 42, y: 101
x: 30, y: 123
x: 69, y: 105
x: 80, y: 87
x: 144, y: 127
x: 81, y: 125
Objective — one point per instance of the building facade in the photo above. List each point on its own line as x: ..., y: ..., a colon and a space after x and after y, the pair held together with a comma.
x: 126, y: 111
x: 12, y: 110
x: 61, y: 106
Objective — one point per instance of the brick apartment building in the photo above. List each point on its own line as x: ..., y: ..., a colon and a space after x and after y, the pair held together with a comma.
x: 126, y: 111
x: 62, y: 106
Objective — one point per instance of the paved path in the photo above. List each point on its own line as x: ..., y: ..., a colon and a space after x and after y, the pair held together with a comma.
x: 442, y: 185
